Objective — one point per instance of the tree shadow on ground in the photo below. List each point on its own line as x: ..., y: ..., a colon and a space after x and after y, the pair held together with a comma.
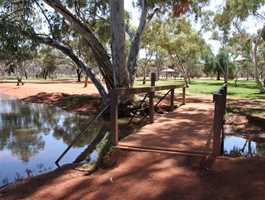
x: 155, y: 176
x: 84, y: 104
x: 136, y: 176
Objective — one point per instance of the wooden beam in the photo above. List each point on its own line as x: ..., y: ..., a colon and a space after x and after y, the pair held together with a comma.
x: 126, y: 91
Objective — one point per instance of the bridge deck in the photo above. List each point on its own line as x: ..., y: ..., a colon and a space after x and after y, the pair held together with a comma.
x: 186, y: 129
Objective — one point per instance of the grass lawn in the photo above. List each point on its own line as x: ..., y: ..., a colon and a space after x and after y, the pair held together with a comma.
x: 245, y: 89
x: 244, y: 99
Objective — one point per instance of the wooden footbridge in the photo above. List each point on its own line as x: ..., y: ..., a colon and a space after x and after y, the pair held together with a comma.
x: 195, y: 128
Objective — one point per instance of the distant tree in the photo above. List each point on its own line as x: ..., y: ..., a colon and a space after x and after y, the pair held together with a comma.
x: 184, y: 46
x: 233, y: 14
x: 48, y: 62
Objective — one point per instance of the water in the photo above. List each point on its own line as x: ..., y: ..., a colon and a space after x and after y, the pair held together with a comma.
x: 32, y: 136
x: 239, y: 146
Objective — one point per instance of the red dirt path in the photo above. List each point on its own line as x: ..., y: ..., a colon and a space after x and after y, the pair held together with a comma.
x: 149, y: 175
x: 144, y: 176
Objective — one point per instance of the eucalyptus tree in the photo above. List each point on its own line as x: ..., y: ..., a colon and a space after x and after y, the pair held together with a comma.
x: 185, y: 47
x: 15, y: 50
x: 48, y: 62
x: 234, y: 13
x: 30, y: 19
x: 239, y: 47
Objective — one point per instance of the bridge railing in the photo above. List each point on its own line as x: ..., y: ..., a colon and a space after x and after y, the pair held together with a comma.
x: 117, y: 93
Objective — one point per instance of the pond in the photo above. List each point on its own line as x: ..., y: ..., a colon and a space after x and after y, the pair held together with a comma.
x: 32, y: 136
x: 240, y: 146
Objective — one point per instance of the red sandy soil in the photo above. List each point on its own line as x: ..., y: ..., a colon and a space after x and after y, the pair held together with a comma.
x: 149, y: 175
x: 31, y: 89
x: 145, y: 175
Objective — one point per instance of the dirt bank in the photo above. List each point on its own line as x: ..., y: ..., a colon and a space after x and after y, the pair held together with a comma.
x: 156, y: 176
x: 34, y: 88
x: 68, y: 95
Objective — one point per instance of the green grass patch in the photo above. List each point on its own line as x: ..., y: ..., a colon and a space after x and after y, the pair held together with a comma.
x: 244, y: 89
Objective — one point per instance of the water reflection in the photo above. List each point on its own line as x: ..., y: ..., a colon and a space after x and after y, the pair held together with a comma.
x: 239, y: 146
x: 32, y: 136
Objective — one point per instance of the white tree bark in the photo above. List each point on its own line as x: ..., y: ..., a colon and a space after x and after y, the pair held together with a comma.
x: 135, y: 46
x: 120, y: 71
x: 256, y: 42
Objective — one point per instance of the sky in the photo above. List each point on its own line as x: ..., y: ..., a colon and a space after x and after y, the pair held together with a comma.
x: 251, y: 24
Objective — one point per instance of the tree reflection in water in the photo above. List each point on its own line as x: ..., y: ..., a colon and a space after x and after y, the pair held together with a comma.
x: 237, y: 146
x: 29, y: 132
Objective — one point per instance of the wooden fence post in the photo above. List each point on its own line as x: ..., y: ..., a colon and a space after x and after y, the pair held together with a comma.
x: 151, y: 97
x: 153, y: 79
x: 114, y: 117
x: 219, y: 112
x: 172, y: 98
x: 184, y: 95
x: 151, y: 104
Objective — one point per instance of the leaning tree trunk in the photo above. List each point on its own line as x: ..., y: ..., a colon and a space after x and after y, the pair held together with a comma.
x: 69, y: 52
x: 101, y: 56
x: 66, y: 50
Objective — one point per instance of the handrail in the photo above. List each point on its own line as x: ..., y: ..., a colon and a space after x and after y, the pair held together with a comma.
x: 118, y: 92
x: 125, y: 91
x: 76, y: 138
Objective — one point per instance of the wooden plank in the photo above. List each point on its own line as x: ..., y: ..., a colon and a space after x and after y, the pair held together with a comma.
x: 126, y: 91
x: 165, y: 87
x: 163, y: 151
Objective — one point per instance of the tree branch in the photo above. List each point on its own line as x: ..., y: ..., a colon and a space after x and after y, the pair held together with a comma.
x: 101, y: 55
x: 135, y: 47
x: 129, y: 32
